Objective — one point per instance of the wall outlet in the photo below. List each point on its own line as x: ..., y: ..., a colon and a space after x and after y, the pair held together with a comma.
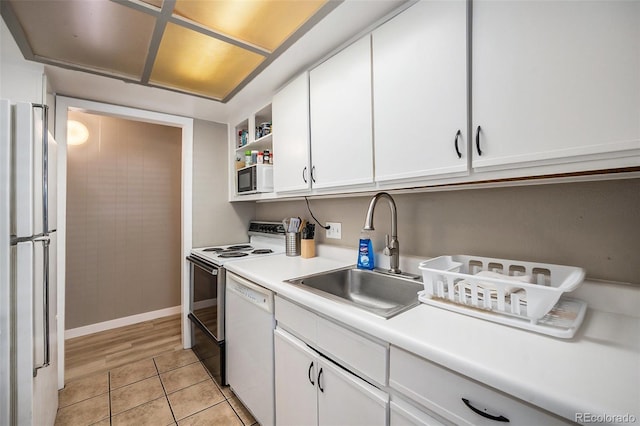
x: 335, y: 230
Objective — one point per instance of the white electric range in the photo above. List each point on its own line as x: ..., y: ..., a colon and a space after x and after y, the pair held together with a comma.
x: 207, y: 289
x: 265, y: 238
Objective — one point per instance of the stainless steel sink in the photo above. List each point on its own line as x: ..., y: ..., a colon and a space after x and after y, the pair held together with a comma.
x: 382, y: 294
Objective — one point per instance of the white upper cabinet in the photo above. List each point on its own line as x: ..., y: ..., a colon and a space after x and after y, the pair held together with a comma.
x: 341, y: 119
x: 556, y: 82
x: 290, y: 109
x: 420, y: 92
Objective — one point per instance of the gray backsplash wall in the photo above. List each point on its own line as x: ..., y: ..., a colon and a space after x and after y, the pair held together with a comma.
x: 594, y: 225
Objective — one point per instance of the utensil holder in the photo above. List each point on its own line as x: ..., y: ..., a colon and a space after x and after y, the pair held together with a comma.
x: 308, y: 249
x: 292, y: 244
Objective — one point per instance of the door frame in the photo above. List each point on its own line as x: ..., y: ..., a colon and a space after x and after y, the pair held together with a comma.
x: 63, y: 105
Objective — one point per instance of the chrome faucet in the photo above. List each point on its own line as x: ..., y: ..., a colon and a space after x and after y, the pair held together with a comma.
x: 392, y: 246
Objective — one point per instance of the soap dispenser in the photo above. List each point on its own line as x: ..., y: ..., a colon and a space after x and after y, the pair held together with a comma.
x: 365, y: 252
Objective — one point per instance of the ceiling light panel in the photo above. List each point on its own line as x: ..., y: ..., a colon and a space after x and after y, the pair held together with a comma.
x: 264, y: 23
x: 97, y: 34
x: 191, y: 61
x: 156, y: 3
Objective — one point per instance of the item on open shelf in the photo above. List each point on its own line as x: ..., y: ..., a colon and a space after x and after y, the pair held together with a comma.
x: 242, y: 138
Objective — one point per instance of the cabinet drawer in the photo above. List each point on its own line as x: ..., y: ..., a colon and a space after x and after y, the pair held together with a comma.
x: 442, y: 391
x: 296, y: 319
x: 353, y: 350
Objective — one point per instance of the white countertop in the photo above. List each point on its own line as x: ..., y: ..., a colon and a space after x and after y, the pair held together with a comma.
x: 597, y: 372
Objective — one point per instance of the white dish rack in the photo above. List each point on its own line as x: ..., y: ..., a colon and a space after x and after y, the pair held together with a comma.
x: 521, y: 294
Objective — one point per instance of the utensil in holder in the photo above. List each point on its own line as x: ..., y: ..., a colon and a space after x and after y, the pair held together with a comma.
x: 292, y: 244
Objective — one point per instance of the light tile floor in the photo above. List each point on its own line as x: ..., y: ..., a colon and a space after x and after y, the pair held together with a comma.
x: 170, y: 389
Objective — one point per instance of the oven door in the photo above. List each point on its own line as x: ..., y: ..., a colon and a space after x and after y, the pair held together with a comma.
x: 207, y: 296
x: 206, y: 314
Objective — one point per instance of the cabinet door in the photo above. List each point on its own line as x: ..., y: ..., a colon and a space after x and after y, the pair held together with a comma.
x: 341, y: 127
x: 420, y: 92
x: 290, y: 109
x: 344, y: 399
x: 404, y: 414
x: 555, y: 82
x: 296, y: 375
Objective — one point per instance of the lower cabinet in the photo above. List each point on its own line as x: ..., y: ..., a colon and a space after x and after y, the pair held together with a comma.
x: 312, y: 390
x: 404, y: 414
x: 457, y: 398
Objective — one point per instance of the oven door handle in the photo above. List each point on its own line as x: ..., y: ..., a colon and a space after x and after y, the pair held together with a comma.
x: 213, y: 270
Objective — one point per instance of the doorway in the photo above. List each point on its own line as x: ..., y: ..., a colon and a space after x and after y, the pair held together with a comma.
x: 68, y: 108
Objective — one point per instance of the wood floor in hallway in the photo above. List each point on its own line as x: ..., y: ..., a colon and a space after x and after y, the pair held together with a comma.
x: 106, y: 350
x: 140, y: 375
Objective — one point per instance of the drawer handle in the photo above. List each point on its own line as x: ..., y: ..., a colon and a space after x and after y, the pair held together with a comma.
x: 478, y: 140
x: 455, y: 141
x: 309, y: 373
x: 483, y: 414
x: 319, y: 384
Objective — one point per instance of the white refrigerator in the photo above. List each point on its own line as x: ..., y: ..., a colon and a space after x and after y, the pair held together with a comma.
x: 28, y: 333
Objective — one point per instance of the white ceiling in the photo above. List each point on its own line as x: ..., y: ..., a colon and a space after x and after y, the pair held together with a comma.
x: 349, y: 19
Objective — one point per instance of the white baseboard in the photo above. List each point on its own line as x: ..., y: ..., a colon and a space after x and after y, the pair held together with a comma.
x: 120, y: 322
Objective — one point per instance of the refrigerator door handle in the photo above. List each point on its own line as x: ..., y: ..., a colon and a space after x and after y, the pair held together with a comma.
x: 45, y: 304
x: 45, y: 166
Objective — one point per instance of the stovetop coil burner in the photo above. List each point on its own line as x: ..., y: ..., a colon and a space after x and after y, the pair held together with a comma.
x: 240, y: 247
x: 262, y: 251
x: 233, y: 254
x: 216, y: 249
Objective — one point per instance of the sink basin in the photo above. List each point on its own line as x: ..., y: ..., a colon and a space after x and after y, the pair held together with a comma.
x: 381, y: 294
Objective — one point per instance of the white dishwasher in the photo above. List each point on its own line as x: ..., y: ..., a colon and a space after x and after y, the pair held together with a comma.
x: 249, y: 342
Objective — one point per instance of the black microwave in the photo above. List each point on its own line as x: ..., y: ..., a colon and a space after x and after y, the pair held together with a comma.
x: 255, y: 178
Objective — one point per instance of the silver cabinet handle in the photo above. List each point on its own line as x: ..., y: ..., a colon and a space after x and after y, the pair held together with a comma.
x: 45, y: 304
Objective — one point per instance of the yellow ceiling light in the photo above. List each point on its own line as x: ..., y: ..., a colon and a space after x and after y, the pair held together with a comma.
x: 201, y: 64
x: 77, y: 133
x: 99, y: 35
x: 207, y: 48
x: 264, y: 23
x: 156, y: 3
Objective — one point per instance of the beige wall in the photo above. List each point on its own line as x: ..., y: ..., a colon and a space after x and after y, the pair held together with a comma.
x: 123, y: 220
x: 594, y: 225
x: 215, y: 220
x: 123, y: 243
